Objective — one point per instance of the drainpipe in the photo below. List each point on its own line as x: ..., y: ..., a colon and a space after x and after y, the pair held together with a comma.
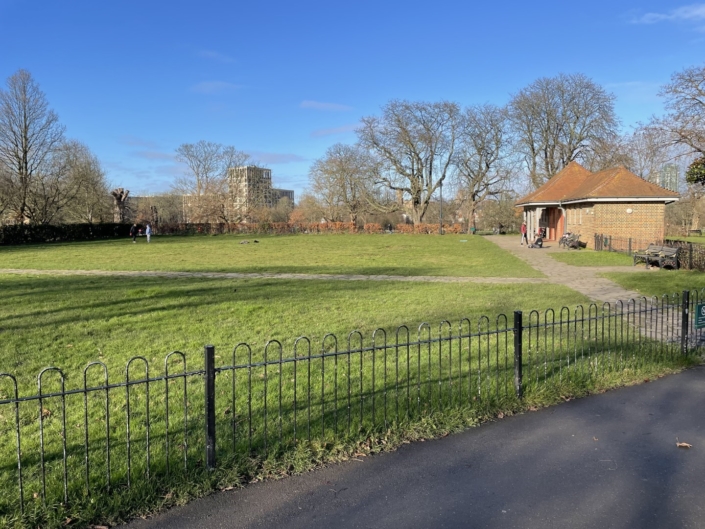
x: 565, y: 218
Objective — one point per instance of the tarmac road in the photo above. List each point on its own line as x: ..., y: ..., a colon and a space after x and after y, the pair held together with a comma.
x: 606, y: 461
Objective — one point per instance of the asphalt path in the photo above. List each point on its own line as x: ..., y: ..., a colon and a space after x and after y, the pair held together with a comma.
x: 605, y: 461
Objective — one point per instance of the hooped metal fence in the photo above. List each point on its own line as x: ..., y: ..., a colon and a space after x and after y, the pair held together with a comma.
x: 64, y: 443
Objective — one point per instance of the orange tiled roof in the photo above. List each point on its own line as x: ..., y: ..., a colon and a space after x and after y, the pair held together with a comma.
x: 562, y: 185
x: 575, y: 183
x: 619, y: 182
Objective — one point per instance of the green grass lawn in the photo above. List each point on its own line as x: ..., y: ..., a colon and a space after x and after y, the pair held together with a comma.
x: 396, y: 254
x: 694, y: 238
x: 592, y: 258
x: 659, y: 282
x: 69, y: 321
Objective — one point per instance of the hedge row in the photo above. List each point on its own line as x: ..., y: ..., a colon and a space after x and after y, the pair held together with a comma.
x: 39, y: 233
x: 281, y: 228
x: 32, y: 234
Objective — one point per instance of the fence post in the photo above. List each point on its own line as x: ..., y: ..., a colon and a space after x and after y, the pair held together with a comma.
x: 630, y: 245
x: 685, y: 322
x: 690, y: 256
x: 518, y: 332
x: 210, y: 406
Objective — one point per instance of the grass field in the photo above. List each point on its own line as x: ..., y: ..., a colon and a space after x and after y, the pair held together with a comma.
x: 695, y: 239
x: 396, y: 254
x: 69, y: 321
x: 592, y: 258
x: 659, y: 282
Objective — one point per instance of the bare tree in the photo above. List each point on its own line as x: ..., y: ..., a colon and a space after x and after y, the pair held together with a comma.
x: 91, y: 202
x: 560, y: 119
x: 483, y: 158
x: 29, y: 134
x: 70, y: 177
x: 308, y: 209
x: 341, y: 180
x: 120, y: 197
x: 206, y: 182
x: 415, y: 142
x: 500, y: 209
x: 685, y: 102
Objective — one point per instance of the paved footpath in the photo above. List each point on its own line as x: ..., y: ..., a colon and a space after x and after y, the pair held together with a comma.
x: 584, y: 279
x: 607, y: 461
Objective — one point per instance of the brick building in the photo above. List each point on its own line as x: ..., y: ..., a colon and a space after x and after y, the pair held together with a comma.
x: 614, y: 202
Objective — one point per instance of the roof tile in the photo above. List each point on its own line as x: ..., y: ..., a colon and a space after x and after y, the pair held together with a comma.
x: 576, y: 183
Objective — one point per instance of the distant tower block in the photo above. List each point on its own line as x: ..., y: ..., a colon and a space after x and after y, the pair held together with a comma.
x: 251, y: 187
x: 668, y: 177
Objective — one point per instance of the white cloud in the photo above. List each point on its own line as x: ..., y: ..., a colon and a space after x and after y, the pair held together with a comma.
x: 275, y: 157
x: 214, y: 87
x: 215, y: 56
x: 689, y: 13
x: 329, y: 107
x: 335, y: 130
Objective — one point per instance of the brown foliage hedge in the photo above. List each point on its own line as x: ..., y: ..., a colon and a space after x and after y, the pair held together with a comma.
x: 283, y: 228
x: 30, y: 234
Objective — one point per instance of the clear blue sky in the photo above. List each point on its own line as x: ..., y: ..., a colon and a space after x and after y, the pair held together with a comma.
x: 285, y: 80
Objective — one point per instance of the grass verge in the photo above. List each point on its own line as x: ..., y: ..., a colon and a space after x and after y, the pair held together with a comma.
x: 659, y: 282
x: 592, y: 258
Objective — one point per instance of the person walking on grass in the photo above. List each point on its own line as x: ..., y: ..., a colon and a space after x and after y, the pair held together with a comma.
x: 148, y: 232
x: 133, y: 233
x: 523, y: 234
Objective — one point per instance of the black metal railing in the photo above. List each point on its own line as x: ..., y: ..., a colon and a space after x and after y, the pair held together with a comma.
x: 64, y: 443
x: 629, y: 245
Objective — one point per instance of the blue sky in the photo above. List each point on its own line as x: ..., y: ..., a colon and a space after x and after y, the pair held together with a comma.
x: 285, y: 80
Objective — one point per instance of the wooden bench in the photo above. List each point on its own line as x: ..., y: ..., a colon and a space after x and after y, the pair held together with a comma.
x: 667, y: 258
x: 661, y: 256
x: 650, y: 253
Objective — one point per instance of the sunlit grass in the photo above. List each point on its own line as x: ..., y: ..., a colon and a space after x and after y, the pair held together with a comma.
x: 657, y: 282
x: 395, y: 254
x: 69, y: 321
x: 592, y: 258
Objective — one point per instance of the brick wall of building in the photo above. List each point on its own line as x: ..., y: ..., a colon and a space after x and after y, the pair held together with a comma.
x: 581, y: 219
x: 646, y: 222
